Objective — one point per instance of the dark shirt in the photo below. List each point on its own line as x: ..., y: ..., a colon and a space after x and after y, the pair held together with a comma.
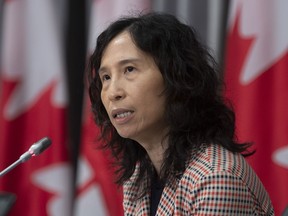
x: 157, y: 187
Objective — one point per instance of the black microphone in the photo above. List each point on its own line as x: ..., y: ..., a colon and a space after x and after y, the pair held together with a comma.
x: 36, y: 149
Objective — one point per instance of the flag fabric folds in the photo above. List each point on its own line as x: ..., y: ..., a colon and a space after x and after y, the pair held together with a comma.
x: 257, y: 82
x: 33, y: 104
x: 97, y: 194
x: 96, y: 191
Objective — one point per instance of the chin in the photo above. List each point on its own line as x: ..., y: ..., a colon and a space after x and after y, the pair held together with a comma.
x: 124, y: 134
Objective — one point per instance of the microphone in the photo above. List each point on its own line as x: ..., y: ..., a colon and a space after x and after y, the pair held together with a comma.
x: 36, y: 149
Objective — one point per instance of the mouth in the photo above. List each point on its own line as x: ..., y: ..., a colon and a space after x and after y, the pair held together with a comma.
x: 118, y: 114
x: 122, y: 115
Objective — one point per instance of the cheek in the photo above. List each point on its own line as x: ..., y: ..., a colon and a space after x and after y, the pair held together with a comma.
x: 155, y: 106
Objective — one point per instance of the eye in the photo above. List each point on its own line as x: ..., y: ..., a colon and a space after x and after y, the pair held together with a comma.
x: 129, y: 69
x: 105, y: 77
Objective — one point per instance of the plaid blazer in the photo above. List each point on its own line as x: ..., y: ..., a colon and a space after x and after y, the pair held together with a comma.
x: 215, y: 182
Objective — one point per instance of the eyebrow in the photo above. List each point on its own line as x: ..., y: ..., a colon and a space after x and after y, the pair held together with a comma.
x: 121, y: 63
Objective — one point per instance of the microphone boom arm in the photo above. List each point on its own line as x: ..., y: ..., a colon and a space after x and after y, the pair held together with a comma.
x: 35, y: 149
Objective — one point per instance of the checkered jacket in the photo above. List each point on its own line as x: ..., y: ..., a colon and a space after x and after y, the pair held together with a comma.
x: 216, y: 182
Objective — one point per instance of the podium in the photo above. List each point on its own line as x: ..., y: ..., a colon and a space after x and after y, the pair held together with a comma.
x: 6, y: 202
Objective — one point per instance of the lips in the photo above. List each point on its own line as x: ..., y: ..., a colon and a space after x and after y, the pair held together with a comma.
x: 121, y: 113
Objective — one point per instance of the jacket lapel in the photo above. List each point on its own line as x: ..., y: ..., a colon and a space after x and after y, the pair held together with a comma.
x: 167, y: 202
x: 143, y: 206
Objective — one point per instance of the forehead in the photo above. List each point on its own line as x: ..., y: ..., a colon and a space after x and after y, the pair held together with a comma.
x: 122, y: 41
x: 121, y: 48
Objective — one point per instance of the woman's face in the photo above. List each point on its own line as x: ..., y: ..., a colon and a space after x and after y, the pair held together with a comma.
x: 132, y: 88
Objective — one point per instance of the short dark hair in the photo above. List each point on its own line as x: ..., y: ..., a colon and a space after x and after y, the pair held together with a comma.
x: 195, y: 111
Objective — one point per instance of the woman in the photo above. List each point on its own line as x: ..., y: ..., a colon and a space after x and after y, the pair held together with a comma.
x: 156, y: 95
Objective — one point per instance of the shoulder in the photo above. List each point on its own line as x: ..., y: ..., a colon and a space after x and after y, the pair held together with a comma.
x: 215, y: 176
x: 214, y: 158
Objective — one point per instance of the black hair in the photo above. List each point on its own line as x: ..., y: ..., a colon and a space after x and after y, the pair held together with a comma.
x: 196, y: 110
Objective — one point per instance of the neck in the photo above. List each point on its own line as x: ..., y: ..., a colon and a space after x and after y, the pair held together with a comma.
x: 156, y: 152
x: 155, y: 146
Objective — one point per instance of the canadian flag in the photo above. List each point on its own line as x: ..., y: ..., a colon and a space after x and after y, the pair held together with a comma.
x: 97, y: 194
x: 33, y: 105
x: 257, y: 82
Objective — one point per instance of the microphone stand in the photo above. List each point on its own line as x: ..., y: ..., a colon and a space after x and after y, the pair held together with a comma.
x: 35, y: 149
x: 24, y: 157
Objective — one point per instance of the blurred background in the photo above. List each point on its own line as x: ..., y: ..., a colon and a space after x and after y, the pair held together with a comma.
x: 44, y: 47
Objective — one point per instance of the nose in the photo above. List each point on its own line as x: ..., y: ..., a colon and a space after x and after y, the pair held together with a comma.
x: 116, y: 91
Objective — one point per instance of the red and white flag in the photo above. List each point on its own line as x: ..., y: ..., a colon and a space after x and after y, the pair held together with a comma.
x: 97, y: 194
x: 257, y: 82
x: 33, y: 105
